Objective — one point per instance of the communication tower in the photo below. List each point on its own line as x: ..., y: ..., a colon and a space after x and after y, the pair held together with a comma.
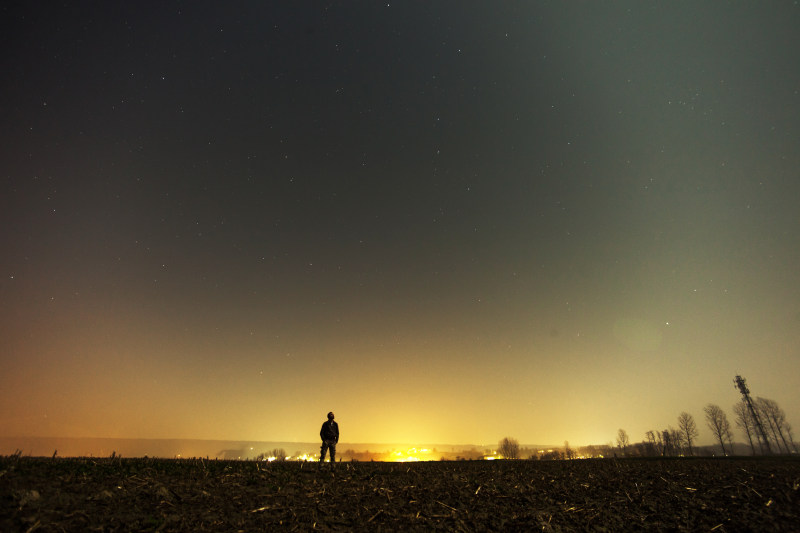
x: 760, y: 433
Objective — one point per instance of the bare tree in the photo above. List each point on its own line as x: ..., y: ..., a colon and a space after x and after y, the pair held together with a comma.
x: 651, y: 444
x: 509, y: 448
x: 568, y: 453
x: 776, y: 420
x: 729, y: 438
x: 665, y: 442
x: 688, y: 430
x: 762, y: 409
x: 744, y: 420
x: 791, y: 438
x: 676, y: 437
x: 718, y: 423
x: 278, y: 454
x: 623, y: 441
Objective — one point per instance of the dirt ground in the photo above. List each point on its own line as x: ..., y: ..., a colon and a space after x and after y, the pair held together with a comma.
x: 114, y: 494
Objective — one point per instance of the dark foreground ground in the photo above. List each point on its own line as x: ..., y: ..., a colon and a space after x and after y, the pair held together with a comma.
x: 38, y: 494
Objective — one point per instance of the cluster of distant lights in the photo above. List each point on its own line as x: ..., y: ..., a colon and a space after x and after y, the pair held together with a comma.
x: 412, y: 455
x: 409, y: 456
x: 304, y: 457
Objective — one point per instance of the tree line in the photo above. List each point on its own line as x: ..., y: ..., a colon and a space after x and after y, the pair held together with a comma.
x: 682, y: 440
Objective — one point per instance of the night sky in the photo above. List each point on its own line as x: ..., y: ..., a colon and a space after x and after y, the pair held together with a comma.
x: 448, y: 222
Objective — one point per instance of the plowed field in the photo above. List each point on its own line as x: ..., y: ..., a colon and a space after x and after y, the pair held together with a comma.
x: 113, y: 494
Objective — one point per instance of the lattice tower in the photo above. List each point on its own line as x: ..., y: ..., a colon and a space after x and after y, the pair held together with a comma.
x: 760, y: 433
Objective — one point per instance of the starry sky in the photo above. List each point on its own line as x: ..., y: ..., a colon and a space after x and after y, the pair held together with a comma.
x: 448, y: 222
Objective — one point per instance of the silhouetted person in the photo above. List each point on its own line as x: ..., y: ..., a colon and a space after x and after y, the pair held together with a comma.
x: 330, y: 436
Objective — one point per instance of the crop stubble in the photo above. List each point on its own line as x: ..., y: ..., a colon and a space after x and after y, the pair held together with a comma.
x: 118, y: 494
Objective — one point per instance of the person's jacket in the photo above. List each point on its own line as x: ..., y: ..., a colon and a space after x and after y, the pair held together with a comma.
x: 329, y: 431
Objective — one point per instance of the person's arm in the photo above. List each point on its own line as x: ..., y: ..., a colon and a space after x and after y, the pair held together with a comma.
x: 336, y: 427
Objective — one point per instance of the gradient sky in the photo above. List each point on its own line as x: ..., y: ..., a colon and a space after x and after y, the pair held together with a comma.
x: 449, y: 222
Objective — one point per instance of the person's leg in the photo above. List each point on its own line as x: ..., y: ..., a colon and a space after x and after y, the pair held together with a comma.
x: 332, y: 446
x: 322, y: 451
